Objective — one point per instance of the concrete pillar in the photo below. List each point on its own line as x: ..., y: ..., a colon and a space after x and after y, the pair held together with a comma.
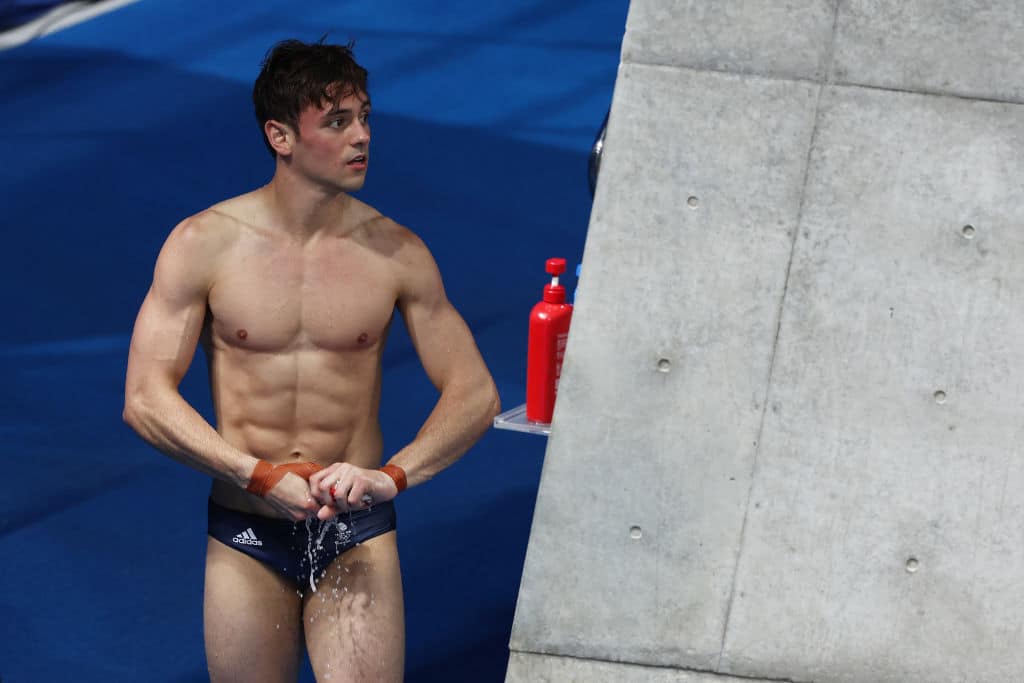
x: 788, y: 441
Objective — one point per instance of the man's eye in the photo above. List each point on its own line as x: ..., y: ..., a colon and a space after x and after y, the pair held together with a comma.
x: 364, y: 117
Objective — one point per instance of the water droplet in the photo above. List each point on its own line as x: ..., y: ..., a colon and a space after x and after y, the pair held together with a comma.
x: 912, y: 565
x: 692, y: 202
x: 664, y: 365
x: 940, y: 397
x: 968, y: 232
x: 635, y: 532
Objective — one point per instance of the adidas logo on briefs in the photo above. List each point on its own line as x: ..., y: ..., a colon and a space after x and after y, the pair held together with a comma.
x: 247, y: 537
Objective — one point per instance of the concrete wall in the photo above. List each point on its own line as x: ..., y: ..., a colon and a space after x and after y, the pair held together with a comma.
x: 788, y: 442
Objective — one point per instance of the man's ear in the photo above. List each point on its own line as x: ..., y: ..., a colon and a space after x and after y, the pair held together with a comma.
x: 280, y: 137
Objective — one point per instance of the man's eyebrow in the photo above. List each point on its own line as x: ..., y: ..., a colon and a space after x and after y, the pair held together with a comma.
x: 335, y: 111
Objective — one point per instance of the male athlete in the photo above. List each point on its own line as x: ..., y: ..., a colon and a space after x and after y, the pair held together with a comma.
x: 291, y: 290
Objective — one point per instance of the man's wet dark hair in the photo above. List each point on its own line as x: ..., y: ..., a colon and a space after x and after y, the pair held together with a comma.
x: 295, y: 75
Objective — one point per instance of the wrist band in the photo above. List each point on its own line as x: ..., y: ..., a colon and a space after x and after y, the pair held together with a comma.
x: 259, y: 477
x: 397, y: 474
x: 266, y: 476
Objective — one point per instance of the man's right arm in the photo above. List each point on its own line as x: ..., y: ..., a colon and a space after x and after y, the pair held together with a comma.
x: 163, y: 343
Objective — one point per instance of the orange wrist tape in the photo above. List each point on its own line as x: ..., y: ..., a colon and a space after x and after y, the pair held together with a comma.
x: 259, y: 477
x: 266, y: 476
x: 397, y: 474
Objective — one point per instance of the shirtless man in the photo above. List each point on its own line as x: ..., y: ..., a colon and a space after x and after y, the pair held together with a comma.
x: 291, y: 289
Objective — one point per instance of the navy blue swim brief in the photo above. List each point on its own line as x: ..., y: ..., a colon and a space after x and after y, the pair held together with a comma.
x: 300, y: 551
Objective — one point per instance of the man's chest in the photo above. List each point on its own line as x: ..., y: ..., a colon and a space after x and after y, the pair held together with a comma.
x: 276, y: 302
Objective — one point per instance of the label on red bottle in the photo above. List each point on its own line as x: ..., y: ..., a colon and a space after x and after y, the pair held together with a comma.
x: 560, y: 343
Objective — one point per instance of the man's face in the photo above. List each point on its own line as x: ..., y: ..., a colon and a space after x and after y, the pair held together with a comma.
x: 333, y: 146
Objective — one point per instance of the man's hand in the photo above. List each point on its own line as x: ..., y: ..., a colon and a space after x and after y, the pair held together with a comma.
x: 343, y: 487
x: 293, y: 497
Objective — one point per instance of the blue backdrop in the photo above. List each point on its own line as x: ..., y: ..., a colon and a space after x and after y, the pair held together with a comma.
x: 16, y: 12
x: 118, y: 128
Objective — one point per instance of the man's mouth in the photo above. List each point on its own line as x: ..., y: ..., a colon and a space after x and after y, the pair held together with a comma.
x: 359, y: 160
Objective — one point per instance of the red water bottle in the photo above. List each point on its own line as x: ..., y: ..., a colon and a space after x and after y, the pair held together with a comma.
x: 549, y: 331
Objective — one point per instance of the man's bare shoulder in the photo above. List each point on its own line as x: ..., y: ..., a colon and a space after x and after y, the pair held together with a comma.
x: 389, y: 237
x: 212, y: 230
x: 232, y: 216
x: 408, y: 258
x: 193, y: 251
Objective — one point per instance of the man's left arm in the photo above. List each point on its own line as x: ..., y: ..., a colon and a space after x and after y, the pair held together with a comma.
x: 468, y: 402
x: 469, y: 399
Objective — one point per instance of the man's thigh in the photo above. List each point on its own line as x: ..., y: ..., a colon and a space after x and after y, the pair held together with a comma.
x: 252, y: 619
x: 355, y: 621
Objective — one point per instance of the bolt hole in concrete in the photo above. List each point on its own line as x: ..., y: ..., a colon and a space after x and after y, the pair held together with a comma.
x: 692, y: 202
x: 912, y: 565
x: 940, y: 397
x: 635, y: 533
x: 664, y: 365
x: 968, y: 231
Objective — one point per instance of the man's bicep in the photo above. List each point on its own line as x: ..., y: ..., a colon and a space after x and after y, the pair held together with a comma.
x: 171, y: 318
x: 164, y: 340
x: 441, y: 337
x: 443, y: 341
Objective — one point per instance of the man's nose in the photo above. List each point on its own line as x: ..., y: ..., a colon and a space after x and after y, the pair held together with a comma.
x: 364, y: 134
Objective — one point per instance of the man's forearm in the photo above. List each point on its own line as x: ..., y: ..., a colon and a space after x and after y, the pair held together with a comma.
x: 460, y: 418
x: 172, y: 426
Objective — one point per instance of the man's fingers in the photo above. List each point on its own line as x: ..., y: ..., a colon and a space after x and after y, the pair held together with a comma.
x: 339, y: 495
x: 322, y: 480
x: 359, y: 490
x: 321, y: 490
x: 323, y: 483
x: 342, y: 483
x: 316, y: 478
x: 342, y: 487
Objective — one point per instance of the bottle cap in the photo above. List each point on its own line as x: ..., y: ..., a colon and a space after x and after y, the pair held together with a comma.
x: 555, y: 266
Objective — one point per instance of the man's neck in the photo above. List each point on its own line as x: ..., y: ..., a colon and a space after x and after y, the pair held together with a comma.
x: 303, y: 209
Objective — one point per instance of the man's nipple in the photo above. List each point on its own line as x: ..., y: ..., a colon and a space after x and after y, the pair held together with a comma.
x: 363, y: 337
x: 241, y: 334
